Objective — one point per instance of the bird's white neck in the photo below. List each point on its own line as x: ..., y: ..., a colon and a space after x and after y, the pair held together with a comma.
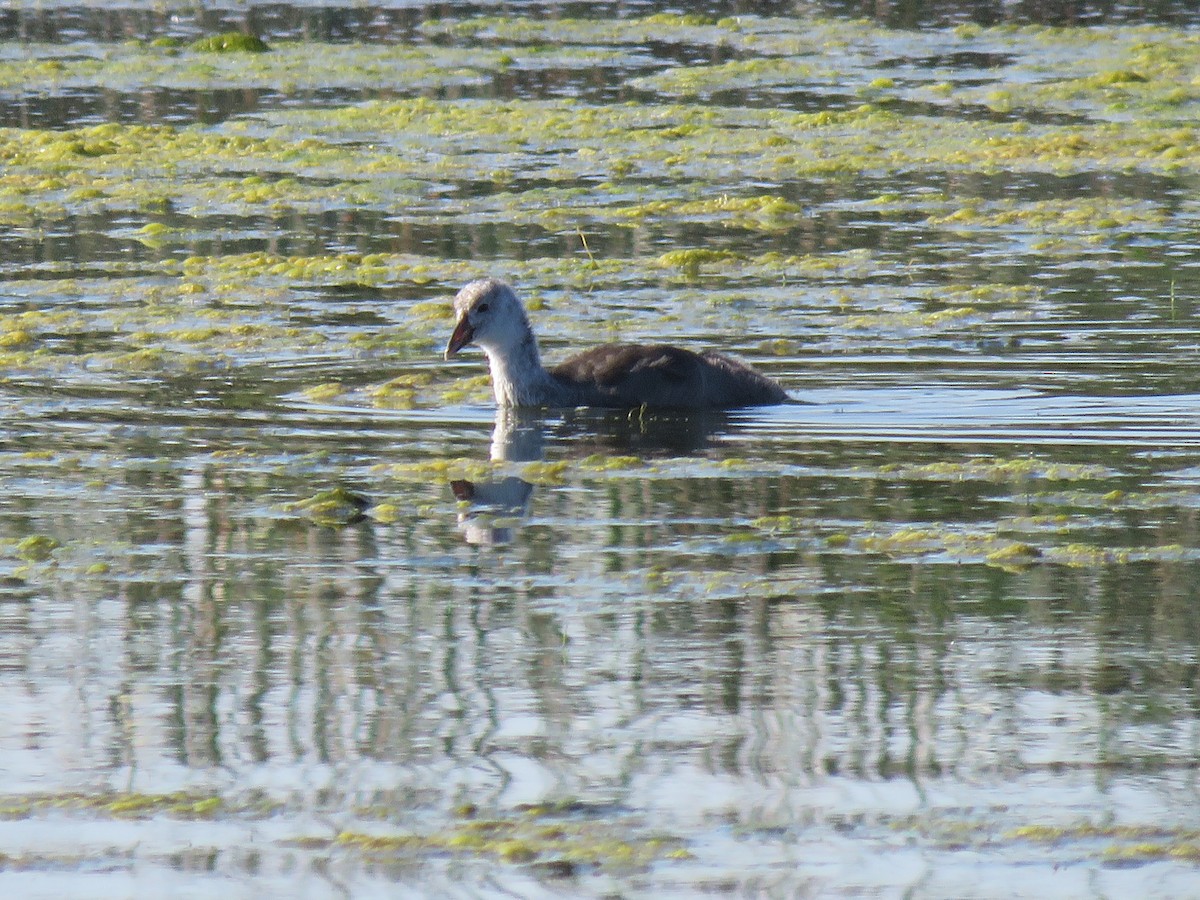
x: 518, y: 378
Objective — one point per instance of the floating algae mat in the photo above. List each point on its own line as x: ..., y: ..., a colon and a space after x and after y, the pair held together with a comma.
x: 290, y: 607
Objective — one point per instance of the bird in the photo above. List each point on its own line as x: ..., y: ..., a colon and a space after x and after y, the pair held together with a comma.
x: 618, y: 376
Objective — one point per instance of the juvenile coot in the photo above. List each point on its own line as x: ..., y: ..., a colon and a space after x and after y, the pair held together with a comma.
x: 613, y: 375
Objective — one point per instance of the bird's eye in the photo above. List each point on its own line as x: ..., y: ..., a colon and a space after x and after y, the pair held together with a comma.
x: 482, y: 307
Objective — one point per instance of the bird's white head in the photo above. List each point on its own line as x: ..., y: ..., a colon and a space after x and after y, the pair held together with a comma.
x: 488, y: 314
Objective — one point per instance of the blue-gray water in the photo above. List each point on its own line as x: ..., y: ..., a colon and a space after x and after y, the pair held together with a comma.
x: 928, y: 630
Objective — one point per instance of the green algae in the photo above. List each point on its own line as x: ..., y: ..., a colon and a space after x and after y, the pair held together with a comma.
x: 471, y: 389
x: 439, y: 470
x: 231, y: 61
x: 37, y: 548
x: 605, y: 463
x: 536, y: 472
x: 400, y: 392
x: 182, y: 312
x: 1042, y: 543
x: 690, y: 261
x: 763, y: 212
x: 231, y: 42
x: 1017, y: 554
x: 549, y: 837
x: 385, y: 513
x: 699, y: 141
x: 667, y: 27
x: 1070, y: 216
x: 1113, y: 843
x: 333, y: 508
x: 180, y: 804
x: 544, y: 472
x: 997, y: 469
x: 951, y: 317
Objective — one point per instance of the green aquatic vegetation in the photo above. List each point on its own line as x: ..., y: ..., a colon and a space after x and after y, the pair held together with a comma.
x: 140, y: 805
x: 230, y: 42
x: 237, y: 270
x: 994, y: 468
x: 763, y: 213
x: 668, y: 28
x: 438, y: 311
x: 1078, y: 840
x: 1091, y: 556
x: 17, y: 337
x: 707, y: 144
x: 537, y: 472
x: 333, y: 508
x: 1041, y: 833
x: 289, y: 67
x: 690, y: 141
x: 37, y: 548
x: 549, y: 836
x: 400, y: 392
x: 440, y: 471
x: 1188, y: 851
x: 1127, y: 71
x: 1127, y: 843
x: 990, y: 545
x: 566, y: 140
x: 977, y: 295
x: 1050, y: 522
x: 179, y: 804
x: 782, y: 523
x: 922, y: 541
x: 472, y: 389
x: 1105, y: 147
x: 323, y: 393
x: 1069, y: 216
x: 741, y: 74
x: 546, y: 473
x: 385, y: 513
x: 950, y: 317
x: 191, y: 170
x: 1013, y: 556
x: 690, y: 261
x: 599, y: 462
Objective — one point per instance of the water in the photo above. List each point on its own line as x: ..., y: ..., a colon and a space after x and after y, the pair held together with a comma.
x: 289, y: 608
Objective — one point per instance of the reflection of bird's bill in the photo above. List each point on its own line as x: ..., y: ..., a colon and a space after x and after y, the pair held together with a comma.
x: 507, y: 497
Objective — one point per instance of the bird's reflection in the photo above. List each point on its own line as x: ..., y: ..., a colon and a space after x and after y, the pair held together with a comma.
x: 492, y: 510
x: 518, y: 436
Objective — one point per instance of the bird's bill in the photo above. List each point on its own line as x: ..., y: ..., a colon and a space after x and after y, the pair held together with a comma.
x: 463, y: 334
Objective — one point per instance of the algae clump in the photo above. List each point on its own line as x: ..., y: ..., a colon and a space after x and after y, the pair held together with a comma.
x: 334, y: 508
x: 230, y: 42
x: 37, y: 548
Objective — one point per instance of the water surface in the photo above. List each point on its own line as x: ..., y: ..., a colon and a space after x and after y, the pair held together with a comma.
x: 290, y: 608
